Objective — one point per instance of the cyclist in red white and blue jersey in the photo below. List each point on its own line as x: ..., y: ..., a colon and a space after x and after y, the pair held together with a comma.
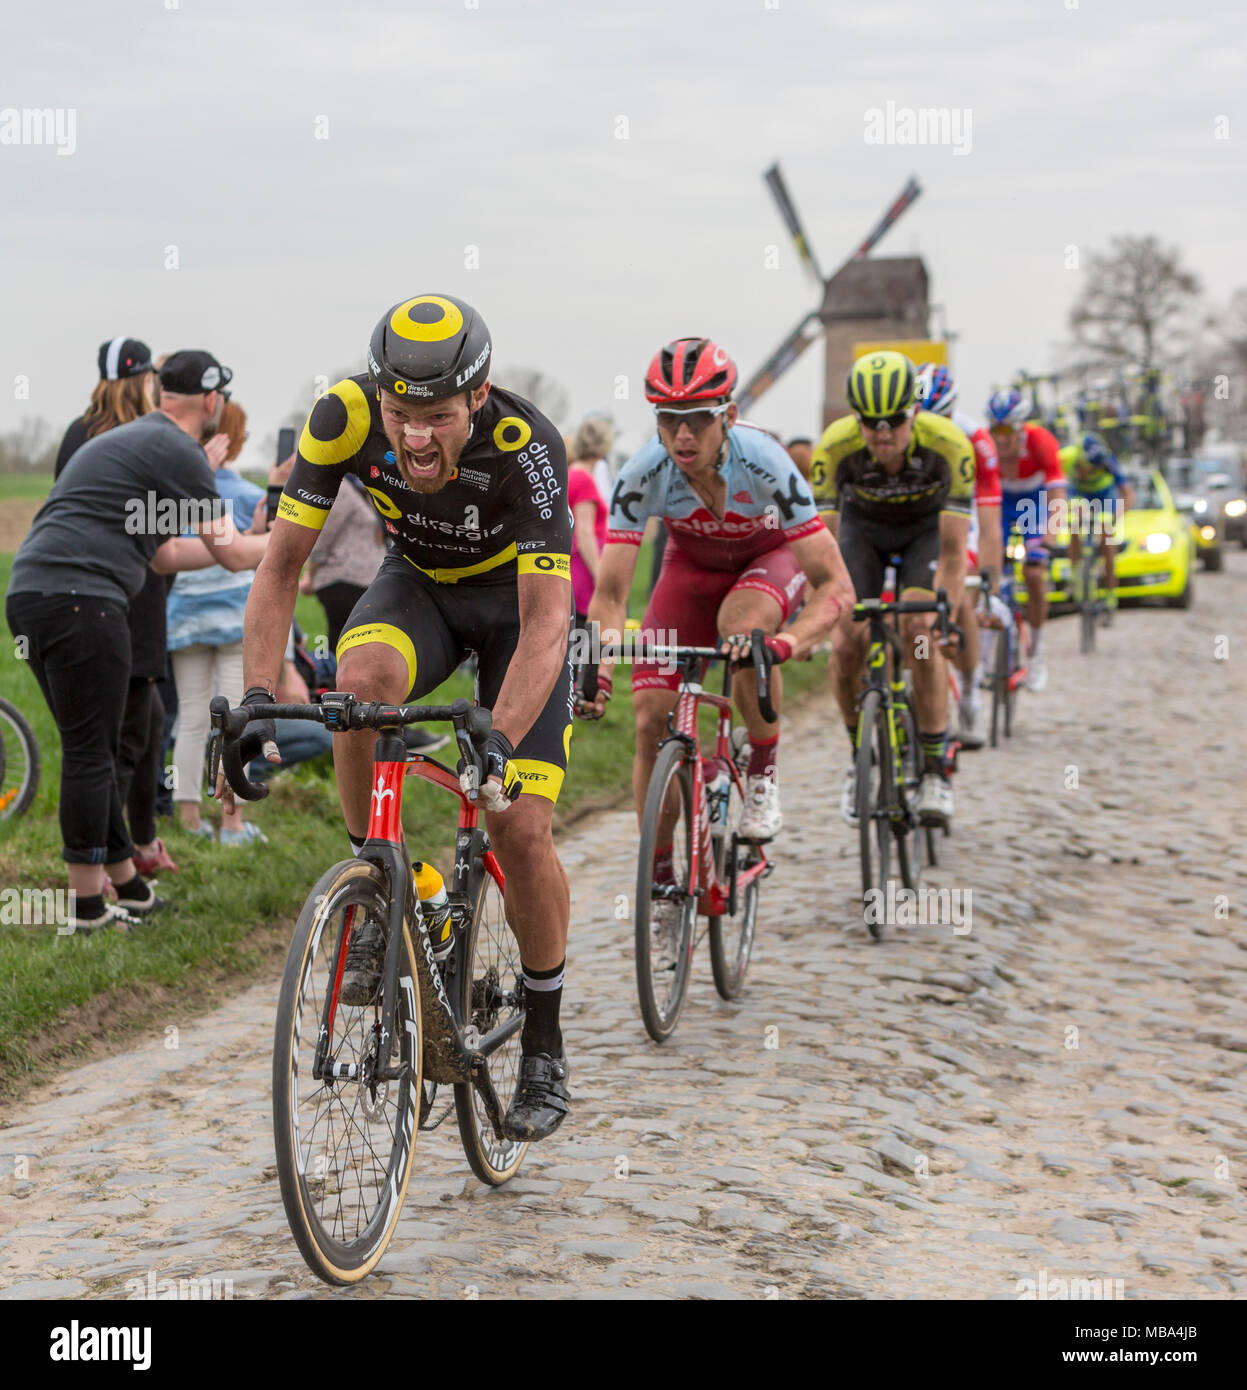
x: 745, y: 548
x: 1032, y: 483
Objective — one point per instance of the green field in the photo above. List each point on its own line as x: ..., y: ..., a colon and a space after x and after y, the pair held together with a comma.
x: 235, y: 906
x: 24, y: 486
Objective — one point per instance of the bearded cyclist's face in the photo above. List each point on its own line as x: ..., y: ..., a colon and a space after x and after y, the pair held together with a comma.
x: 428, y: 437
x: 1008, y: 442
x: 697, y: 440
x: 888, y: 445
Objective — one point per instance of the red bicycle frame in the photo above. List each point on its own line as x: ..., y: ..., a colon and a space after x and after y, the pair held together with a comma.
x: 712, y: 899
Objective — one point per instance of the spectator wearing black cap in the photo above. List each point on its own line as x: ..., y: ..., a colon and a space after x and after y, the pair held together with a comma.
x: 122, y: 394
x: 86, y: 556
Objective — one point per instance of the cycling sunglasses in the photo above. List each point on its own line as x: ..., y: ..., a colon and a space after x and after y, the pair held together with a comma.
x: 1005, y: 430
x: 874, y: 422
x: 697, y: 420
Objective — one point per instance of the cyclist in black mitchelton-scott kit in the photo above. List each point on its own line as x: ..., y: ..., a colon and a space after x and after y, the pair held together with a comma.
x: 471, y: 483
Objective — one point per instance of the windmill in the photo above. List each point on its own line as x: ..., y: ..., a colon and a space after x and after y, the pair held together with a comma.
x: 847, y: 296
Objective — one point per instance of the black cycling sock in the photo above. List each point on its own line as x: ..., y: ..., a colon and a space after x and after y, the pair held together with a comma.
x: 357, y: 842
x: 87, y: 908
x: 136, y: 891
x: 852, y: 732
x: 543, y: 993
x: 933, y: 746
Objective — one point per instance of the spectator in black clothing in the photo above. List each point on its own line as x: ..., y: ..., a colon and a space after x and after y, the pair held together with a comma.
x: 124, y: 393
x: 85, y: 558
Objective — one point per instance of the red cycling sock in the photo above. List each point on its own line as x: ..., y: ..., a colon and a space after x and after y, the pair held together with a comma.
x: 762, y: 758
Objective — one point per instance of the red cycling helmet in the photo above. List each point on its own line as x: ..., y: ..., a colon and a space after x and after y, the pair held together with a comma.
x: 690, y: 369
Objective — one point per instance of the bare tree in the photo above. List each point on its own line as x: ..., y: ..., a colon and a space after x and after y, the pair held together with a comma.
x: 1135, y: 304
x: 30, y: 448
x: 545, y: 393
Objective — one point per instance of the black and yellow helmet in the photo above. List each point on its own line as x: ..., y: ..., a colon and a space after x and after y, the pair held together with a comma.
x: 429, y: 347
x: 882, y: 383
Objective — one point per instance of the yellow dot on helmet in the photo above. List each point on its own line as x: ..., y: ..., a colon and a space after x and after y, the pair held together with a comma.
x: 446, y: 326
x: 400, y: 388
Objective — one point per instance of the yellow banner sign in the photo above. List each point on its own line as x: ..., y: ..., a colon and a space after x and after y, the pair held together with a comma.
x: 918, y: 350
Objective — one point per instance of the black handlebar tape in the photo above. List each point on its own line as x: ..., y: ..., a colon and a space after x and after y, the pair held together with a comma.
x: 761, y: 656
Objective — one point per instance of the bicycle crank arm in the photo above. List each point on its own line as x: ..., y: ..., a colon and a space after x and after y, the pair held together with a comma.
x: 483, y: 1082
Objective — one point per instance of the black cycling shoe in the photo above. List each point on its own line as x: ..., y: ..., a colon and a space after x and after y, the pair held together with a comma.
x: 365, y: 956
x: 540, y: 1102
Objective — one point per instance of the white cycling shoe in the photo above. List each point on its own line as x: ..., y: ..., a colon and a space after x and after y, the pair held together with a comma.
x: 848, y: 797
x: 1036, y: 669
x: 934, y: 804
x: 761, y: 819
x: 969, y: 729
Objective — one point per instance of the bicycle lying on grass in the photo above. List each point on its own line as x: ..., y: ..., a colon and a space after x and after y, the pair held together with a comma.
x: 351, y: 1085
x: 694, y: 805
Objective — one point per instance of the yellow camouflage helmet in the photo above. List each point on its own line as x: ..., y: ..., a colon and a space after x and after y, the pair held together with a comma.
x: 882, y: 383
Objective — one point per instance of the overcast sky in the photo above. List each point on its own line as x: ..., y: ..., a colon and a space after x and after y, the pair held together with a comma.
x: 494, y: 125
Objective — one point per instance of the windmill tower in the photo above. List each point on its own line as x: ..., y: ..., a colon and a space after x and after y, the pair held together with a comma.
x: 868, y: 300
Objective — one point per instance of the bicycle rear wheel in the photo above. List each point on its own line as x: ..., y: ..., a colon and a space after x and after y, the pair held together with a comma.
x: 1089, y: 606
x: 19, y: 762
x: 1016, y: 654
x: 344, y: 1149
x: 874, y: 778
x: 490, y: 994
x: 732, y: 935
x: 1000, y: 681
x: 666, y: 901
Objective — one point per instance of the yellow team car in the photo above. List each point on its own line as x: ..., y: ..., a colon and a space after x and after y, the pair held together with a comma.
x: 1156, y: 550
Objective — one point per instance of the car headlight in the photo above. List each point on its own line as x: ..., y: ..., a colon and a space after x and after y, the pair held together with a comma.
x: 1157, y: 543
x: 1201, y: 505
x: 1209, y: 533
x: 1236, y: 507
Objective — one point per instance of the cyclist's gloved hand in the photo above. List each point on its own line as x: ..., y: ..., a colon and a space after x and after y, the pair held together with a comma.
x: 738, y: 646
x: 595, y: 708
x: 502, y: 784
x: 259, y: 738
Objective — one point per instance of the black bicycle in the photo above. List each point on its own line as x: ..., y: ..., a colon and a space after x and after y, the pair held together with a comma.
x: 352, y: 1083
x: 890, y: 759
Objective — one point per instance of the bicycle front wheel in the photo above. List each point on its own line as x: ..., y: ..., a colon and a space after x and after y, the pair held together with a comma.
x: 732, y: 935
x: 909, y: 773
x: 490, y: 995
x: 874, y: 780
x: 666, y: 900
x: 19, y: 762
x: 344, y: 1147
x: 1089, y: 607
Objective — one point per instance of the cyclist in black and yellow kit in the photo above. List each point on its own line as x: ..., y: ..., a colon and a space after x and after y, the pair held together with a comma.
x: 471, y: 483
x: 894, y: 480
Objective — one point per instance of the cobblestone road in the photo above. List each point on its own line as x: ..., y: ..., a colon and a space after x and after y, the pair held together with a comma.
x: 1058, y: 1094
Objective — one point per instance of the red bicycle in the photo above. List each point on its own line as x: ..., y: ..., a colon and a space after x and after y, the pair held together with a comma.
x: 692, y: 861
x: 353, y: 1084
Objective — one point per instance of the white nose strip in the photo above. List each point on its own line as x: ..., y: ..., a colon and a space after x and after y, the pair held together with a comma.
x: 415, y: 437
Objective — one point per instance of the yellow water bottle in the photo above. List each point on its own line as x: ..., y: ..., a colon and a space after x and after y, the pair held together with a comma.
x: 435, y: 906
